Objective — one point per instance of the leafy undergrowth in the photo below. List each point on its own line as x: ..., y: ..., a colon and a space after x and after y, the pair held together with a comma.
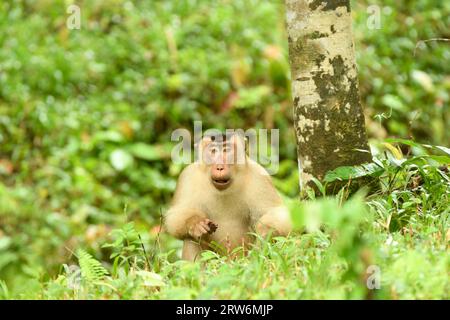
x: 86, y: 118
x: 387, y: 243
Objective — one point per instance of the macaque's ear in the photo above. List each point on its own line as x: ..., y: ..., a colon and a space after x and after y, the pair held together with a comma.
x: 238, y: 142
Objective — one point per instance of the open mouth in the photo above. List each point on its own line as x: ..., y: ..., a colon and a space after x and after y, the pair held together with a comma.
x: 221, y: 183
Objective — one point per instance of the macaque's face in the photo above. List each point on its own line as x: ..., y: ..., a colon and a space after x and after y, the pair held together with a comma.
x: 221, y: 158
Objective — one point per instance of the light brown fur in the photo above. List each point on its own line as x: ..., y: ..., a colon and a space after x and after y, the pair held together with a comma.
x: 249, y: 204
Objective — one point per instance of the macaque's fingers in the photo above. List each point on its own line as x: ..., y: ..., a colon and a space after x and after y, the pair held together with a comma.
x: 276, y: 222
x: 197, y: 233
x: 205, y: 225
x: 263, y: 230
x: 206, y: 220
x: 196, y: 227
x: 200, y: 228
x: 210, y: 226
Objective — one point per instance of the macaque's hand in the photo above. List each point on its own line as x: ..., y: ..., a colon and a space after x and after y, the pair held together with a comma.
x: 198, y: 227
x: 263, y: 229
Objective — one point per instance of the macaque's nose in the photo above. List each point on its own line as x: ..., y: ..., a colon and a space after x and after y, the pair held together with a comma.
x: 220, y: 170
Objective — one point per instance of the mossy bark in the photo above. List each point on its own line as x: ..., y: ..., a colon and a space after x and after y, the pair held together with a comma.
x: 329, y: 120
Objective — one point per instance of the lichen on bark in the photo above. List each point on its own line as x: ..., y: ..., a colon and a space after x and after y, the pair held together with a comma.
x: 329, y: 121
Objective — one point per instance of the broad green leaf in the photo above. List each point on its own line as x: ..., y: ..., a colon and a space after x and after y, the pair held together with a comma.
x: 151, y: 279
x: 443, y: 149
x: 416, y: 144
x: 120, y: 159
x: 423, y: 79
x: 111, y: 136
x: 352, y: 172
x: 394, y: 102
x: 150, y: 152
x: 249, y: 97
x: 395, y: 151
x: 420, y: 160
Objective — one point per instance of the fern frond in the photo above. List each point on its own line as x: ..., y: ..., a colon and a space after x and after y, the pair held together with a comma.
x: 91, y: 269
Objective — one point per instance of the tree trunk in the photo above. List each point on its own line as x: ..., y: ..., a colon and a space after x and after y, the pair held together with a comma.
x: 328, y: 117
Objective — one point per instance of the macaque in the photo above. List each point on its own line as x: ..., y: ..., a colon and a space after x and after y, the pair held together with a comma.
x: 222, y: 197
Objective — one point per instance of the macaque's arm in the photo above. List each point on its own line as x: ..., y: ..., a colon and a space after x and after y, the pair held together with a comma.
x: 183, y: 222
x: 185, y: 219
x: 268, y: 212
x: 275, y: 220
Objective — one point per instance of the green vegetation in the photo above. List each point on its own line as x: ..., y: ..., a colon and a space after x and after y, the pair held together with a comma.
x: 85, y: 172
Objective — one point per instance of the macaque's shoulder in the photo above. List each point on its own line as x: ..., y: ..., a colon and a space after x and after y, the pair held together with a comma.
x: 260, y: 187
x: 189, y: 179
x: 190, y: 171
x: 258, y: 170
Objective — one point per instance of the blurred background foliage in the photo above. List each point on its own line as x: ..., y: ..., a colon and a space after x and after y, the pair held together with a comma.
x: 86, y: 115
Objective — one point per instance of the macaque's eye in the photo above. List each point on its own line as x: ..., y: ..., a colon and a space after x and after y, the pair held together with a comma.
x: 213, y: 151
